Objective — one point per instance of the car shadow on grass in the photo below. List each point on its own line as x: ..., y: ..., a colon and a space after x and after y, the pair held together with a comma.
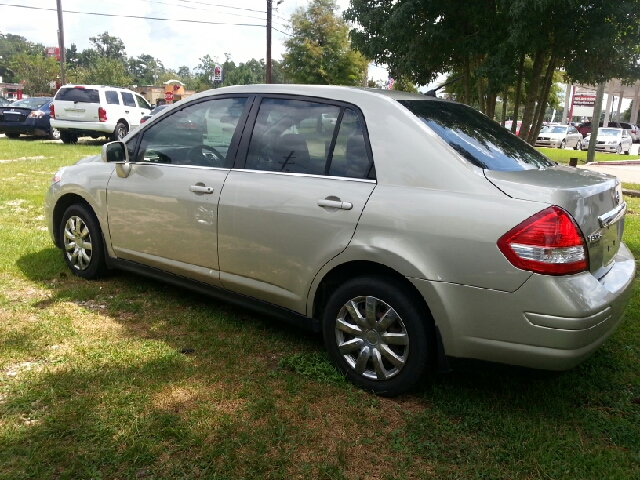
x: 179, y: 385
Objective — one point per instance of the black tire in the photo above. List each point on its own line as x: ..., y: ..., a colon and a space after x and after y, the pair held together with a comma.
x: 120, y: 131
x: 578, y: 145
x: 412, y: 324
x: 12, y: 135
x: 563, y: 144
x: 68, y: 138
x: 619, y: 149
x: 54, y: 134
x: 86, y: 260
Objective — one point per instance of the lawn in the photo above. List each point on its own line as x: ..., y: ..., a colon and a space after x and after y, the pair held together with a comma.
x: 128, y: 378
x: 563, y: 156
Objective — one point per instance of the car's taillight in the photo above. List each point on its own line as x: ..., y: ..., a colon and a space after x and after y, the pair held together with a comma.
x: 52, y: 111
x: 102, y: 114
x: 142, y: 120
x: 36, y: 114
x: 549, y: 242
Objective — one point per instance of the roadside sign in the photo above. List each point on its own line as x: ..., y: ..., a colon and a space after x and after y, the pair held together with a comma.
x: 168, y: 96
x: 217, y: 73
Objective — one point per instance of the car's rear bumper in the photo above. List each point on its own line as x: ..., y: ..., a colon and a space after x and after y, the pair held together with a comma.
x: 75, y: 126
x: 551, y: 323
x: 29, y: 127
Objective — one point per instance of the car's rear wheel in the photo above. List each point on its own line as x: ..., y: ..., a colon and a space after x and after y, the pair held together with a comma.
x: 82, y: 244
x: 619, y: 149
x: 120, y: 131
x: 68, y: 137
x: 378, y: 335
x: 54, y: 134
x: 12, y: 135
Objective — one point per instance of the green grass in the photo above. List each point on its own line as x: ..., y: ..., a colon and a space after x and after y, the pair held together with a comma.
x: 94, y: 384
x: 563, y: 156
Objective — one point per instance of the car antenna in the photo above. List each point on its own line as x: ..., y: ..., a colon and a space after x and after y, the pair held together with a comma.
x: 432, y: 92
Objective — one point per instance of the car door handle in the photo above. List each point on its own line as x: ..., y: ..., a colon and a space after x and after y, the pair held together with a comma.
x: 200, y: 189
x: 126, y: 111
x: 323, y: 202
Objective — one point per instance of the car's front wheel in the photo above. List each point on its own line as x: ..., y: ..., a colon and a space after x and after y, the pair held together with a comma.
x: 82, y: 243
x: 563, y: 144
x: 378, y: 335
x: 12, y: 135
x: 619, y: 149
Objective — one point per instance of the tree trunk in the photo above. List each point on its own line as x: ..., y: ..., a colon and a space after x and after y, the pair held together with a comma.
x: 516, y: 106
x: 504, y: 104
x: 491, y: 105
x: 591, y: 152
x: 467, y: 81
x: 532, y: 94
x: 542, y: 100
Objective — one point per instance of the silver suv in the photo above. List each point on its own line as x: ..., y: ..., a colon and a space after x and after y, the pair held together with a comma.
x: 411, y: 231
x: 96, y: 110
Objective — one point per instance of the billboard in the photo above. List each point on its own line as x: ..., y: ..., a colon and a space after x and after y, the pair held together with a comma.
x: 583, y: 102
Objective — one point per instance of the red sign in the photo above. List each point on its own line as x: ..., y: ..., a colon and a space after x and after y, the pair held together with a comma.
x: 52, y: 52
x: 168, y: 96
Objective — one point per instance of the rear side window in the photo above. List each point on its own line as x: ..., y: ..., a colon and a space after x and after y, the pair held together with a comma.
x: 478, y: 139
x: 127, y: 99
x: 142, y: 103
x: 78, y: 95
x: 112, y: 97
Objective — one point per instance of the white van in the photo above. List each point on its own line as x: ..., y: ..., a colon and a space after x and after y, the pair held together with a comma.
x: 96, y: 110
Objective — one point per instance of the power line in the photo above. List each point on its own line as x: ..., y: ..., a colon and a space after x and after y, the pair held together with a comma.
x: 137, y: 16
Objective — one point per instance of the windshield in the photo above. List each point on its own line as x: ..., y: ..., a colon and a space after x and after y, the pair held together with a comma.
x: 554, y: 129
x: 30, y: 102
x: 608, y: 132
x: 478, y: 139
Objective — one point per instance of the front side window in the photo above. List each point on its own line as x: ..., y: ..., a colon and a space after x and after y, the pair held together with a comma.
x: 112, y: 97
x: 478, y: 139
x: 292, y: 136
x: 200, y: 134
x: 142, y: 103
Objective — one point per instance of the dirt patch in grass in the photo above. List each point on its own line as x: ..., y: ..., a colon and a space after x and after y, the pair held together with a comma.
x: 22, y: 159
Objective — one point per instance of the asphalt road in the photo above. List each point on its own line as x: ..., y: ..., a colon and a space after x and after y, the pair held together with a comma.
x: 629, y: 173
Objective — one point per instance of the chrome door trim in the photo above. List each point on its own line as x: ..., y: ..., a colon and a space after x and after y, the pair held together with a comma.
x: 613, y: 216
x: 312, y: 175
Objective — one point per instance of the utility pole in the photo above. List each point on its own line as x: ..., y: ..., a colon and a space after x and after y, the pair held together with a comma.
x: 61, y: 43
x: 268, y: 79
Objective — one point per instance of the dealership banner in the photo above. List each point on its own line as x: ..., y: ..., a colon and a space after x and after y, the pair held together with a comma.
x: 583, y: 102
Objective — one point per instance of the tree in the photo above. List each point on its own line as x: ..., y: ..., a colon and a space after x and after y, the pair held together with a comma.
x: 11, y: 46
x: 108, y: 71
x: 36, y: 71
x: 109, y: 47
x: 319, y: 50
x: 496, y: 44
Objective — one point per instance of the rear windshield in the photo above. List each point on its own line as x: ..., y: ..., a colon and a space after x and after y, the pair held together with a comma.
x: 79, y: 95
x: 480, y: 140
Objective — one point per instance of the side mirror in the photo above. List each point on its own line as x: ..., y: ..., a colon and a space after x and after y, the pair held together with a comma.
x: 115, y: 152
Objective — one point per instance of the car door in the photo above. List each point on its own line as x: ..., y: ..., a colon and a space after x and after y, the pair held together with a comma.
x: 164, y: 212
x: 131, y: 110
x: 574, y: 137
x: 294, y: 201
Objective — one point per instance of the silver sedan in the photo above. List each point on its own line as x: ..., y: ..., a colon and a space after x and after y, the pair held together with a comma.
x: 411, y: 231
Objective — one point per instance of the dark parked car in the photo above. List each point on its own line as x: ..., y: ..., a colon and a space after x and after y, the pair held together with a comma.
x: 4, y: 101
x: 153, y: 112
x: 29, y: 116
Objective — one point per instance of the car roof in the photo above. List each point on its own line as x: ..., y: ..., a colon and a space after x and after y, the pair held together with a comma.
x: 326, y: 91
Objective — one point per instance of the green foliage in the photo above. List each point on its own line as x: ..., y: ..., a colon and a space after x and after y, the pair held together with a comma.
x: 108, y: 46
x: 403, y: 84
x: 12, y: 46
x: 36, y: 71
x: 107, y: 71
x: 319, y: 50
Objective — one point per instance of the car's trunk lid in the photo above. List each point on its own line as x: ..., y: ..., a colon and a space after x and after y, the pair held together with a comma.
x: 593, y: 199
x: 14, y: 114
x: 77, y: 104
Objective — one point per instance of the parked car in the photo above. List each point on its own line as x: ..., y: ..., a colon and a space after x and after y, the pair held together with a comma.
x: 412, y: 242
x: 4, y: 101
x: 508, y: 124
x: 29, y: 116
x: 612, y: 140
x: 96, y: 110
x: 633, y: 129
x: 153, y: 112
x: 559, y: 136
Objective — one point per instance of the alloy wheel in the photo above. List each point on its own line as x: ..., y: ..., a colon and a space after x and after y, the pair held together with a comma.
x: 77, y: 243
x: 372, y: 338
